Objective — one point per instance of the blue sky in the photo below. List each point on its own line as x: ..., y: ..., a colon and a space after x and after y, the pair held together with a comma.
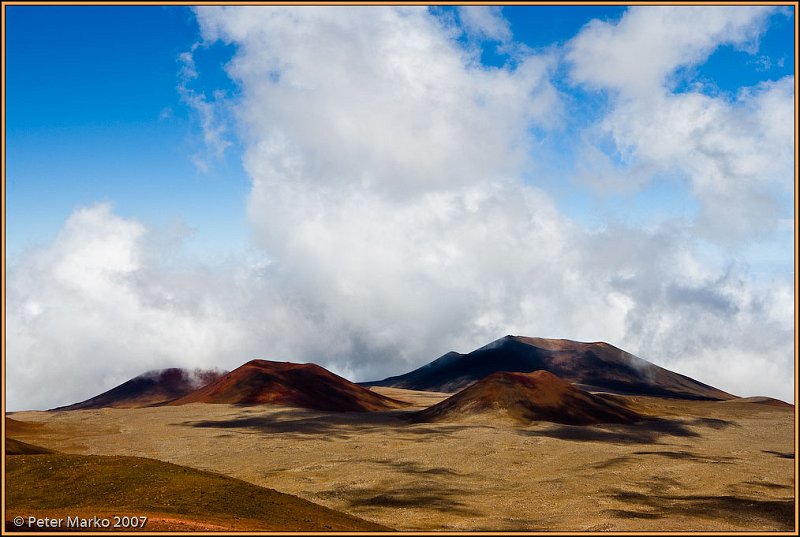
x: 96, y: 87
x: 636, y: 179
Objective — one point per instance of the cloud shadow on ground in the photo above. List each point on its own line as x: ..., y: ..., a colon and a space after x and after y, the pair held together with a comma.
x: 295, y: 423
x: 649, y: 431
x: 735, y: 509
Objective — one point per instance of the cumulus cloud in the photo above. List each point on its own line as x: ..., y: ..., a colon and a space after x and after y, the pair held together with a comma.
x: 78, y: 323
x: 363, y: 90
x: 737, y: 155
x: 636, y: 55
x: 709, y: 319
x: 395, y: 202
x: 385, y: 177
x: 485, y: 22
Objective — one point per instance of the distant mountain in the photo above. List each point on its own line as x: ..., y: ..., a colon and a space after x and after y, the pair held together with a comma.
x: 290, y: 384
x: 151, y: 388
x: 593, y: 366
x: 760, y: 400
x: 527, y: 397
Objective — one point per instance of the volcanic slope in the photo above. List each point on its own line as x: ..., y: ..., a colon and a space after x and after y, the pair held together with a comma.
x: 290, y: 384
x: 594, y: 366
x: 527, y: 397
x: 151, y: 388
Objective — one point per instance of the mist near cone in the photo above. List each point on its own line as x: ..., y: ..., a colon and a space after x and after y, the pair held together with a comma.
x: 285, y: 383
x: 151, y: 388
x: 593, y: 366
x: 527, y: 397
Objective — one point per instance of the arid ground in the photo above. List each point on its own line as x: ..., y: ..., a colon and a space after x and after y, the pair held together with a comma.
x: 704, y: 466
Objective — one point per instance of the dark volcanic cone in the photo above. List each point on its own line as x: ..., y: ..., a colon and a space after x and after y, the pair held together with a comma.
x: 151, y: 388
x: 527, y: 397
x: 595, y: 366
x: 286, y: 383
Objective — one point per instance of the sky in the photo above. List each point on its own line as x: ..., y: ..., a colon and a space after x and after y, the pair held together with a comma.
x: 368, y: 188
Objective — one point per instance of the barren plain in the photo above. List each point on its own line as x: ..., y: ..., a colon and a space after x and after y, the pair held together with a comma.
x: 704, y: 466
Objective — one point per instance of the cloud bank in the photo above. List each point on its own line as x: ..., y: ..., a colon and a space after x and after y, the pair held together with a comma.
x: 395, y: 201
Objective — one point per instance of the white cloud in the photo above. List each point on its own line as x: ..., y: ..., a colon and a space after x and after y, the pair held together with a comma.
x: 485, y: 22
x: 364, y: 89
x: 708, y: 320
x: 636, y: 55
x: 736, y: 154
x: 385, y: 177
x: 78, y: 322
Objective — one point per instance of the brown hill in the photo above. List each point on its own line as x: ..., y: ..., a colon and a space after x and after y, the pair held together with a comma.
x: 60, y: 485
x: 527, y: 397
x: 290, y: 384
x: 595, y: 366
x: 149, y: 389
x: 18, y: 447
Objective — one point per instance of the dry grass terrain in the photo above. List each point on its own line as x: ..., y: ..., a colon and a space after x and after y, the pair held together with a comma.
x: 705, y: 466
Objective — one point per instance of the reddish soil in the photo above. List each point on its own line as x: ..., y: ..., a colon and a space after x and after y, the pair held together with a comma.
x: 290, y: 384
x: 527, y: 397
